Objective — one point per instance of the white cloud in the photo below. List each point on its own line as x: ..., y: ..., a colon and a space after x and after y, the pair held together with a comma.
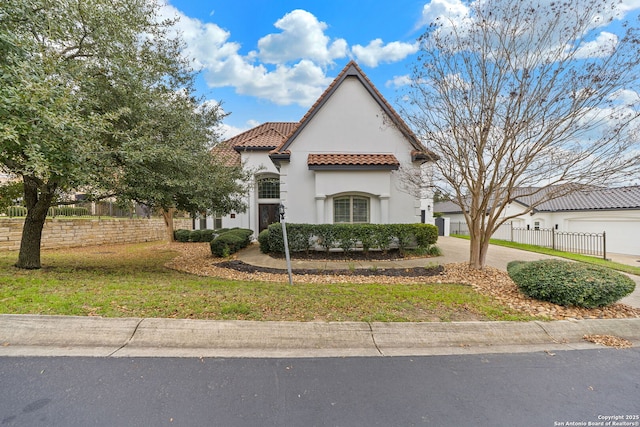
x: 399, y: 81
x: 376, y: 52
x: 227, y: 131
x: 301, y: 83
x: 303, y: 37
x: 602, y: 46
x: 437, y: 9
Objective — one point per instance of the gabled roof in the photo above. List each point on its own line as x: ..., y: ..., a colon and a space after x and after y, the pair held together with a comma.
x: 264, y: 137
x: 591, y: 199
x: 419, y: 152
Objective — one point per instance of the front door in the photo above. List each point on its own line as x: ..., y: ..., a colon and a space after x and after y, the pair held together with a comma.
x: 268, y: 214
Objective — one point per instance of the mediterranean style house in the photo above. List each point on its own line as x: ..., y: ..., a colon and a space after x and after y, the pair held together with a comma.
x: 350, y: 159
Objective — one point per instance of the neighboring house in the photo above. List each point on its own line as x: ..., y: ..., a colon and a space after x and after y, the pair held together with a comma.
x: 615, y: 211
x: 347, y: 161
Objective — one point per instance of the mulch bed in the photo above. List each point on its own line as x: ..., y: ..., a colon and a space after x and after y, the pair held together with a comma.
x: 391, y: 272
x: 357, y: 255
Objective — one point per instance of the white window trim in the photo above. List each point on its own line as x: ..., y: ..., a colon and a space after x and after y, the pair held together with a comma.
x: 351, y: 197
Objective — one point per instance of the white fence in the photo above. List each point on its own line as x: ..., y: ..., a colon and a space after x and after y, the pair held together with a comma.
x: 594, y: 244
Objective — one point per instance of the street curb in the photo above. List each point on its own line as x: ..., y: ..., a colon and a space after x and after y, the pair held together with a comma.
x: 36, y: 335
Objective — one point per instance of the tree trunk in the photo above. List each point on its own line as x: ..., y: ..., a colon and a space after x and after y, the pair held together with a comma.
x: 38, y: 202
x: 167, y: 214
x: 479, y: 246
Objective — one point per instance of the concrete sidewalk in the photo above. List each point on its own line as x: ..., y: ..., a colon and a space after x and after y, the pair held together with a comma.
x: 32, y: 335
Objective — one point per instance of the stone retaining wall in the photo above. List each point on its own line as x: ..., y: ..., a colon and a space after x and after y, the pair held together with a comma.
x: 66, y: 233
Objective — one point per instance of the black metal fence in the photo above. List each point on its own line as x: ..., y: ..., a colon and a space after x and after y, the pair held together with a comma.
x: 594, y: 244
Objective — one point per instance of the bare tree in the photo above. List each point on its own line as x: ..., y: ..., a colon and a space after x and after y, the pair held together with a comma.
x: 526, y: 97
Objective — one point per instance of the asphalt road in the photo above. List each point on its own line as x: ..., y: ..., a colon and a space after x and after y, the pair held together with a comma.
x: 527, y: 389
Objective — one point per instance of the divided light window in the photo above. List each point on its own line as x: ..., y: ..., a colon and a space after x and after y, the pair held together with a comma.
x: 269, y: 188
x: 351, y: 209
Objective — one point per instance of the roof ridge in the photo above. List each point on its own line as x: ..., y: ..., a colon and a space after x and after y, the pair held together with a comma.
x: 353, y: 69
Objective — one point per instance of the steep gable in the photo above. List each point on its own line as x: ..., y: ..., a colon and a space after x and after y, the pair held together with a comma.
x: 352, y: 70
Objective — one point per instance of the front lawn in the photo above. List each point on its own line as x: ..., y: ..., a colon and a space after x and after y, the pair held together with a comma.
x: 131, y: 281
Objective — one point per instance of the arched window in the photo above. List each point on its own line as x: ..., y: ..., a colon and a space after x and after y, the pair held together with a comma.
x: 269, y: 188
x: 351, y: 209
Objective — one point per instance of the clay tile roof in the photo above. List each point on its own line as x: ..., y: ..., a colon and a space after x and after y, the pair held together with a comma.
x: 225, y: 154
x: 352, y: 160
x: 266, y: 136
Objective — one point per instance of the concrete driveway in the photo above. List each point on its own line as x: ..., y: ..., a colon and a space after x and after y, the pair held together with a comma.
x: 457, y: 250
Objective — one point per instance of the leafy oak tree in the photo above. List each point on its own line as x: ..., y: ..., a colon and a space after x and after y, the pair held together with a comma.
x: 526, y: 98
x: 82, y: 86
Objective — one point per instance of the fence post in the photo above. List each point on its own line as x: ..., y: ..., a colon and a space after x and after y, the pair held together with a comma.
x: 604, y: 245
x: 553, y: 238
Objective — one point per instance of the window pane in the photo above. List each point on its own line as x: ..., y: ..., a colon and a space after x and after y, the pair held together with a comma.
x: 341, y: 210
x: 269, y: 188
x: 360, y: 209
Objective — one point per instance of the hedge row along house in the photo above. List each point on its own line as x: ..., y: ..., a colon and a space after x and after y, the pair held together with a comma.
x: 350, y: 159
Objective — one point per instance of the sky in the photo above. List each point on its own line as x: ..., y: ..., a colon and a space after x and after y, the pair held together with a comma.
x: 270, y: 60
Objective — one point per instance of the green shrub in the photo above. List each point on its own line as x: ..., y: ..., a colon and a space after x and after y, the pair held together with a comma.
x: 326, y: 234
x: 345, y: 237
x: 276, y: 241
x: 303, y: 237
x: 299, y: 237
x: 382, y: 237
x: 365, y: 233
x: 182, y: 235
x: 570, y: 283
x: 207, y: 235
x: 230, y: 242
x: 263, y: 240
x: 426, y: 235
x: 194, y: 236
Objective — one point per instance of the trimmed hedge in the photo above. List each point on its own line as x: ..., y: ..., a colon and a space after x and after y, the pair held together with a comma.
x: 231, y: 241
x: 202, y: 235
x: 182, y: 235
x: 304, y: 237
x: 570, y: 283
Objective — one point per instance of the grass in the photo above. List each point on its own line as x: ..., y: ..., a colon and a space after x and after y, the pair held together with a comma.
x: 575, y: 257
x: 131, y: 281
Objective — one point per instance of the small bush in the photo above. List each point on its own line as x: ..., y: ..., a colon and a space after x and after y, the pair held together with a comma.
x: 426, y: 235
x: 230, y: 242
x: 182, y: 235
x: 263, y: 240
x: 194, y: 236
x: 201, y: 235
x: 207, y: 235
x: 570, y: 283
